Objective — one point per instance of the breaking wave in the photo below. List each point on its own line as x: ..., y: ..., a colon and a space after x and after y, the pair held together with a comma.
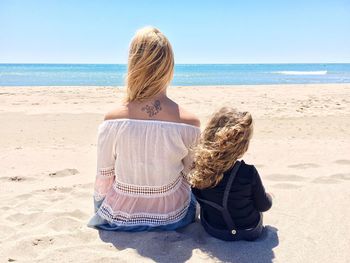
x: 320, y: 72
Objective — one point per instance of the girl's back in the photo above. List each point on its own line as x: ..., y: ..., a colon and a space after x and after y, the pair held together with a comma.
x: 247, y: 198
x: 230, y: 192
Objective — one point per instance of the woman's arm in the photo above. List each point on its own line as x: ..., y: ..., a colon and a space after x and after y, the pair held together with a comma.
x: 106, y: 157
x: 262, y: 200
x: 190, y: 140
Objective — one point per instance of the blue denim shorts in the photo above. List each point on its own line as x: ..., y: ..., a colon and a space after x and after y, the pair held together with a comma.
x: 99, y: 223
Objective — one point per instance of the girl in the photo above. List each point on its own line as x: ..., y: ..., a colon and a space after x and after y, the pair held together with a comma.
x: 143, y: 147
x: 230, y: 192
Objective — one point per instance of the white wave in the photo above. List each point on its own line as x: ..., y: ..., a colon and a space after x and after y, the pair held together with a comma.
x: 320, y: 72
x: 14, y: 74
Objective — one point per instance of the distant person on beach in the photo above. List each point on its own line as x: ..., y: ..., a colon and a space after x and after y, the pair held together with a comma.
x: 230, y: 192
x: 143, y: 147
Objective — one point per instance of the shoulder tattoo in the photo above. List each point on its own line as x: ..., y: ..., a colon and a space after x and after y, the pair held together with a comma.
x: 153, y: 109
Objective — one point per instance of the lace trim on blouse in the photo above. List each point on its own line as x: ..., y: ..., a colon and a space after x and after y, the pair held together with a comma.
x: 104, y: 179
x: 147, y: 190
x: 121, y: 218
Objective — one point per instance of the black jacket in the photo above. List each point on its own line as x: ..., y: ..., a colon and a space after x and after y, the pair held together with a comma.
x: 247, y: 198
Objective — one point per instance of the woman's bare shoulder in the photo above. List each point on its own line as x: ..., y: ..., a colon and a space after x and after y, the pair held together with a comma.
x: 188, y: 117
x: 120, y: 112
x: 173, y: 113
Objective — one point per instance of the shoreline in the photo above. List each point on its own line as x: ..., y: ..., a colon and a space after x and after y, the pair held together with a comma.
x: 184, y: 74
x: 179, y: 86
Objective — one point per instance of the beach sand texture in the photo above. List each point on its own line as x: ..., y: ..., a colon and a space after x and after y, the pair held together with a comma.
x: 301, y: 147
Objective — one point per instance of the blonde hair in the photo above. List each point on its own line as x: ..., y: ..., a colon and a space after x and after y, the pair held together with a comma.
x: 150, y: 64
x: 224, y: 140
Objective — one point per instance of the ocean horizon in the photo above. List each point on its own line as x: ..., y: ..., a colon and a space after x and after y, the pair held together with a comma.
x: 184, y: 75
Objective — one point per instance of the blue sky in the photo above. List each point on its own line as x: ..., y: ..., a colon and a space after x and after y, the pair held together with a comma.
x: 237, y: 31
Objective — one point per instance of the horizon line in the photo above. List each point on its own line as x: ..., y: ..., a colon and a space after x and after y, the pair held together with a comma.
x: 260, y: 63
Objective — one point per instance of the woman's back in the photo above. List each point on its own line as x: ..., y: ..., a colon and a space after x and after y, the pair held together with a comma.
x: 161, y: 141
x: 150, y: 152
x: 148, y: 159
x: 143, y: 147
x: 141, y: 164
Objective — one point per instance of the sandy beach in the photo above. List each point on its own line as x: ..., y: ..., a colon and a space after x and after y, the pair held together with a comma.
x: 301, y: 147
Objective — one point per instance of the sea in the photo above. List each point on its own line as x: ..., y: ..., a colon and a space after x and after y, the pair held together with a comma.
x: 185, y: 74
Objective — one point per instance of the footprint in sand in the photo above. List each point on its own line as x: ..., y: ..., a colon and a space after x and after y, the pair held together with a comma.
x: 345, y: 162
x: 285, y: 177
x: 63, y: 173
x: 7, y: 178
x: 325, y: 180
x: 341, y: 176
x: 303, y: 165
x: 16, y: 178
x: 43, y: 241
x: 332, y: 179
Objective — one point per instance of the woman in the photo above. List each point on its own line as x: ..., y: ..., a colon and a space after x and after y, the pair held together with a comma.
x: 143, y: 147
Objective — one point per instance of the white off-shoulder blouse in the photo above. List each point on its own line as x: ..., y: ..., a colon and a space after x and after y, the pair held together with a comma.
x: 141, y: 168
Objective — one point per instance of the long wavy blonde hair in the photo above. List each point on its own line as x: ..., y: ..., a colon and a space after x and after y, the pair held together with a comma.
x: 224, y: 140
x: 150, y: 64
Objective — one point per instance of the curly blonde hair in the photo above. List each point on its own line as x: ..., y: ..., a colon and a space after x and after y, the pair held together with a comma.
x: 224, y: 140
x: 150, y: 64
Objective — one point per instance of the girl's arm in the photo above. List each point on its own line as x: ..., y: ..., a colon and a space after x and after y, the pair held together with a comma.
x: 262, y: 200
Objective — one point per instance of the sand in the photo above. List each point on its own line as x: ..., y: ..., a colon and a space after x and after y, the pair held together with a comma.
x: 301, y: 147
